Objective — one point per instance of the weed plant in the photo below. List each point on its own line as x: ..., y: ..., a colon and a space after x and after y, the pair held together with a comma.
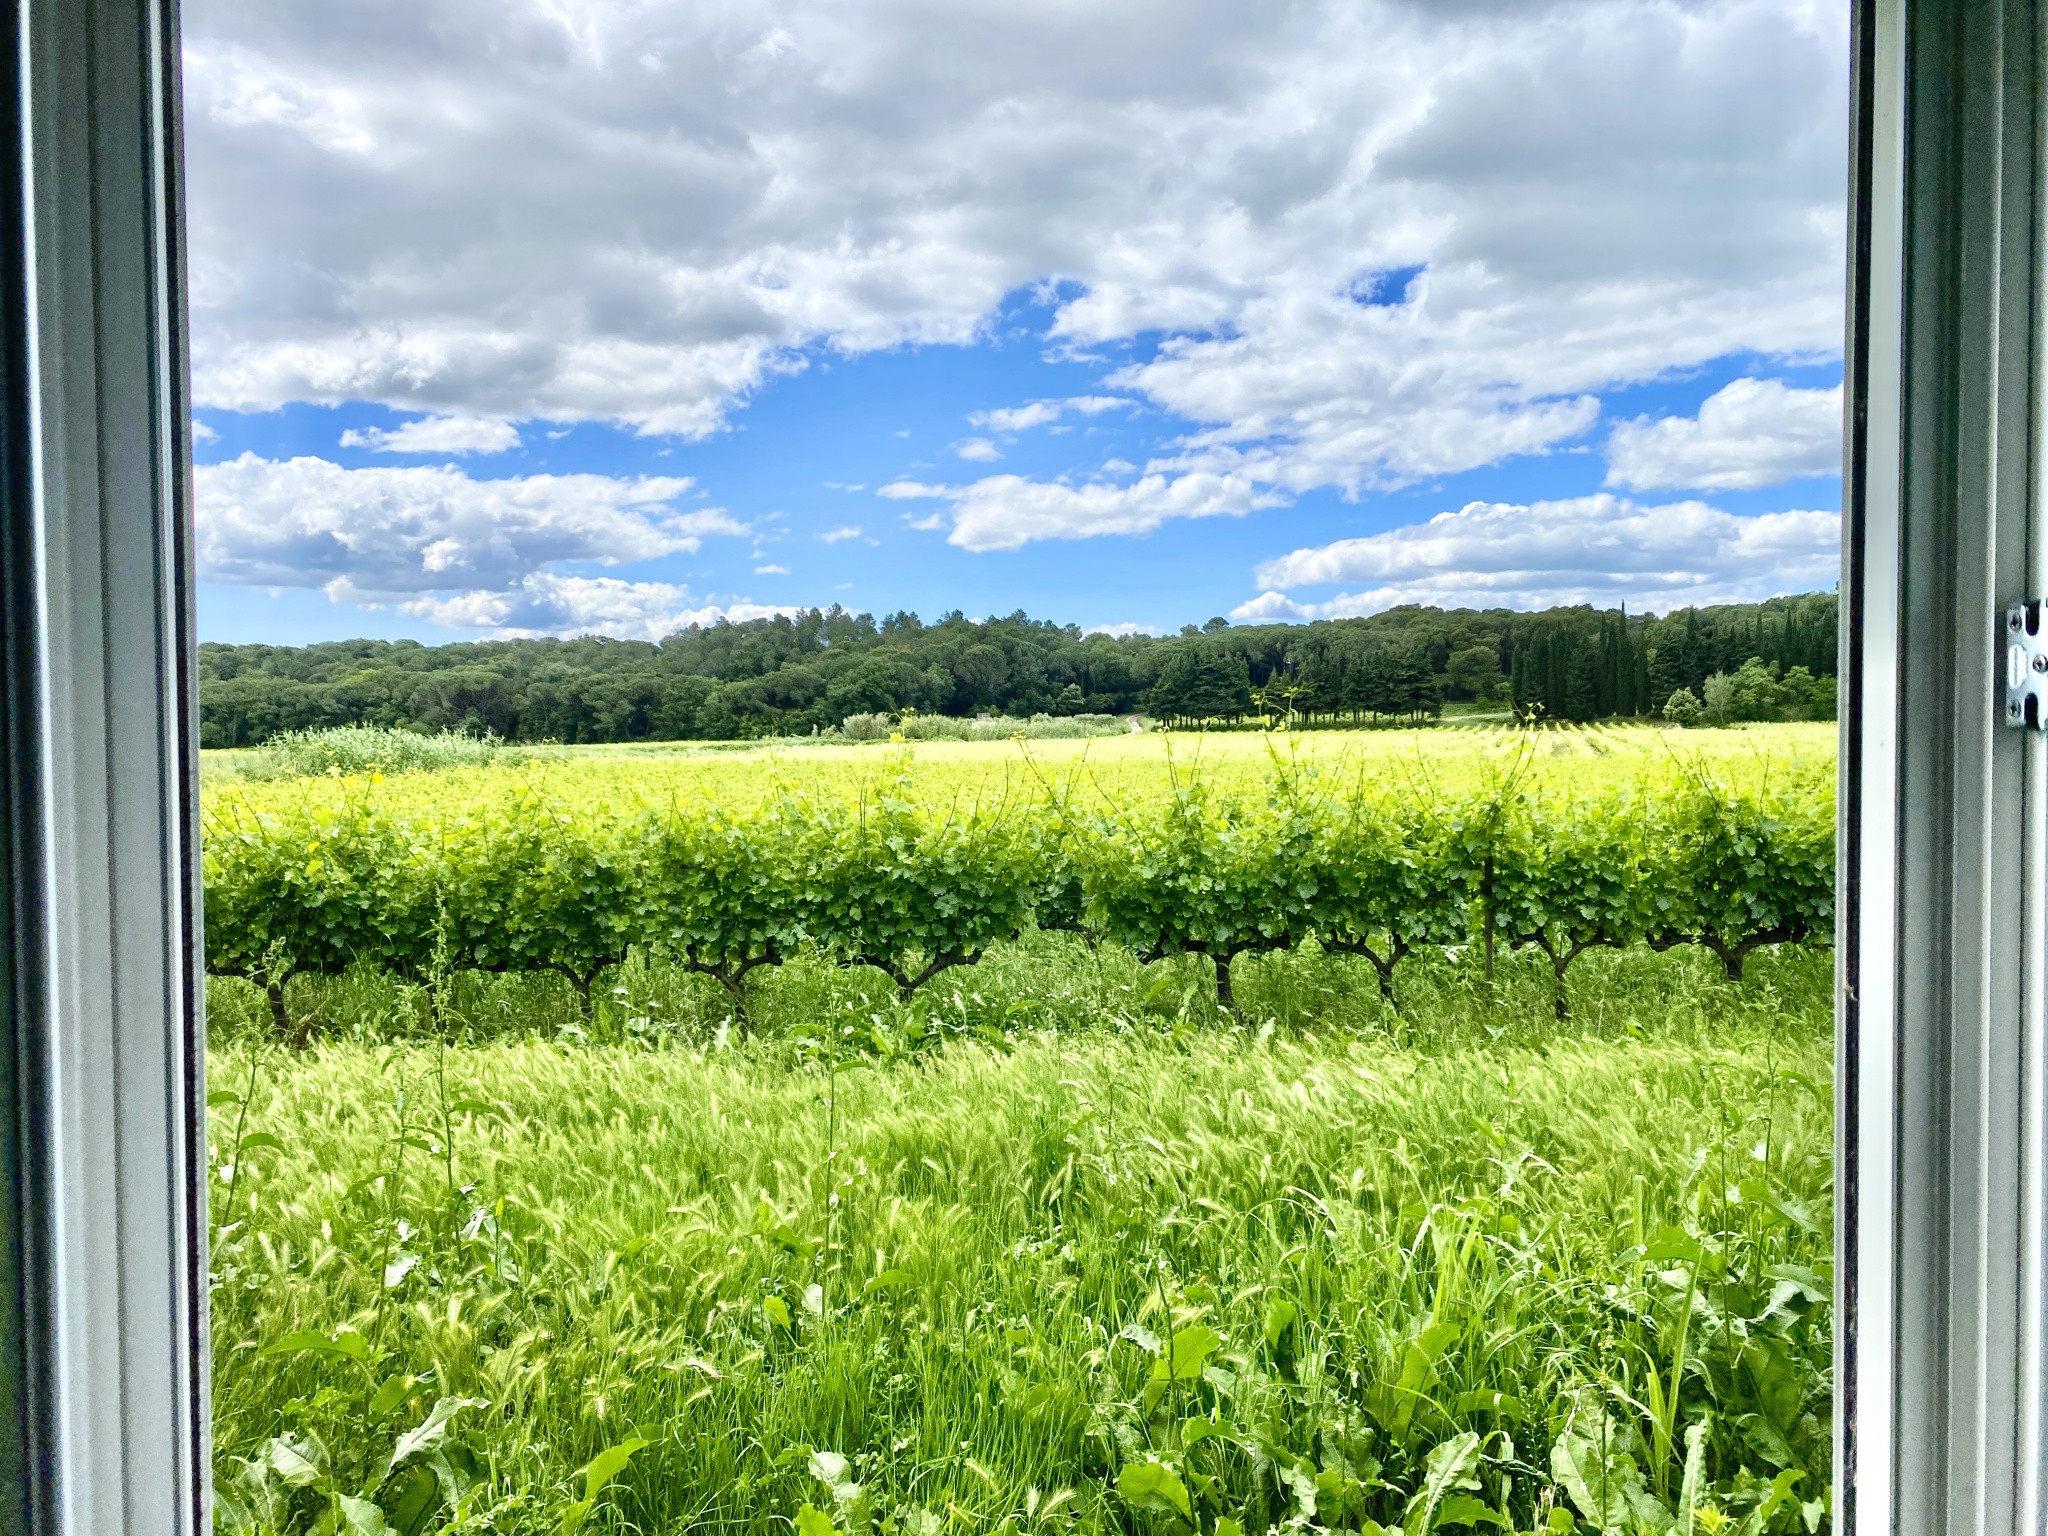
x: 347, y: 750
x: 1059, y: 1246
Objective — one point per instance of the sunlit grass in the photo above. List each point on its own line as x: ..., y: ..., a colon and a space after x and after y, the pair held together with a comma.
x: 1060, y: 1248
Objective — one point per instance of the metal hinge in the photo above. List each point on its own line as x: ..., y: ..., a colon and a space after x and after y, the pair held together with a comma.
x: 2026, y: 667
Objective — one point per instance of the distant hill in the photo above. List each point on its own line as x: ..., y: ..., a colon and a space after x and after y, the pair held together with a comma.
x: 789, y: 675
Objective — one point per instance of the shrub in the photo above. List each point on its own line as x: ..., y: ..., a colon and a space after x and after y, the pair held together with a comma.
x: 867, y: 727
x: 352, y: 749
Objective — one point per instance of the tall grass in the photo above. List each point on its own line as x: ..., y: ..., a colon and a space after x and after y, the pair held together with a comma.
x: 1065, y: 1253
x: 359, y: 749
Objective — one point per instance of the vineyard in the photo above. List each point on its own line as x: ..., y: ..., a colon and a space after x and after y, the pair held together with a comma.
x: 913, y: 875
x: 1389, y: 1132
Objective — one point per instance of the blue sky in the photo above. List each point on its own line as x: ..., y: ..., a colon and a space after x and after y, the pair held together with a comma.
x: 1260, y: 389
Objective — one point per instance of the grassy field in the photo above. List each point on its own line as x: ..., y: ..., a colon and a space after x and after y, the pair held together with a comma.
x: 1577, y: 757
x: 1058, y: 1246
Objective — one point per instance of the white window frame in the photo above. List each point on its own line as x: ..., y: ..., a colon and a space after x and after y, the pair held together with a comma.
x: 1944, y: 830
x: 1942, y: 1198
x: 103, y: 1380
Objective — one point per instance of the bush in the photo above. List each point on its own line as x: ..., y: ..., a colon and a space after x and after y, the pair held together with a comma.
x: 867, y: 727
x: 353, y: 749
x: 1682, y: 708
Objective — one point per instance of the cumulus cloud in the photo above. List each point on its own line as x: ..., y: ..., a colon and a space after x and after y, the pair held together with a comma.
x: 549, y: 604
x: 436, y: 434
x: 842, y: 534
x: 429, y: 538
x: 1599, y: 549
x: 1039, y: 413
x: 398, y: 201
x: 771, y: 570
x: 1753, y: 433
x: 1009, y: 511
x: 1123, y: 630
x: 979, y: 449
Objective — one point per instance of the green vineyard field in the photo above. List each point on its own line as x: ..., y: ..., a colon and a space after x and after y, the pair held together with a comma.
x: 915, y: 865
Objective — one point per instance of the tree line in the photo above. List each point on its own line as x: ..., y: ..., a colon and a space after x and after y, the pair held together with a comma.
x: 795, y: 674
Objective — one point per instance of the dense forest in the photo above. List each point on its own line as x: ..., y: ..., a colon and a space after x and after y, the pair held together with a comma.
x: 793, y: 675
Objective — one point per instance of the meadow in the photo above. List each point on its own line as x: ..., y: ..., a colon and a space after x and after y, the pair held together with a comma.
x: 1059, y: 1240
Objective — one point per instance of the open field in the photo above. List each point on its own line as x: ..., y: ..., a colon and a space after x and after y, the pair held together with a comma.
x: 1062, y: 1240
x: 1450, y: 753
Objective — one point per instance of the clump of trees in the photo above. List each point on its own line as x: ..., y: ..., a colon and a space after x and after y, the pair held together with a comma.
x: 1754, y: 691
x: 795, y: 674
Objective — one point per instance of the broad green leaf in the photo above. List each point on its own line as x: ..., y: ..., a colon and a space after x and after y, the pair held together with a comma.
x: 300, y: 1461
x: 608, y: 1464
x: 1187, y: 1352
x: 361, y: 1517
x: 412, y: 1499
x: 1601, y: 1478
x: 393, y: 1392
x: 1153, y: 1485
x: 347, y: 1345
x: 1450, y: 1469
x: 431, y: 1431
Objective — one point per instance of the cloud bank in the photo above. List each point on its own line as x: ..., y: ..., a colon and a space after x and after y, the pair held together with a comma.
x: 456, y: 550
x: 521, y: 209
x: 1599, y: 549
x: 1753, y: 433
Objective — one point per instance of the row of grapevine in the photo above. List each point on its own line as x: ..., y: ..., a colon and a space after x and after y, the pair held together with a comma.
x: 523, y: 881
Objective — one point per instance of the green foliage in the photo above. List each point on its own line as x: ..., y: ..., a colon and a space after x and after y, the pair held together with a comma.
x: 513, y: 875
x: 1110, y: 1279
x: 808, y: 673
x: 1682, y: 708
x: 357, y: 749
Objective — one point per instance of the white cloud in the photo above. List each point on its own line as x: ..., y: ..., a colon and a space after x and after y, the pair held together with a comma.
x: 842, y: 534
x: 436, y: 434
x: 1009, y: 511
x: 1039, y: 413
x: 1599, y: 549
x: 429, y: 538
x: 979, y: 449
x: 202, y: 433
x: 1752, y: 433
x: 771, y: 570
x: 397, y: 202
x: 1123, y: 630
x: 1018, y: 418
x: 548, y: 604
